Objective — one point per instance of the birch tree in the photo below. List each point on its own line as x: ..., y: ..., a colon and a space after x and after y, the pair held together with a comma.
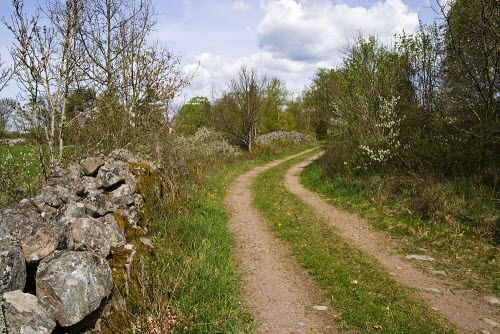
x: 44, y: 57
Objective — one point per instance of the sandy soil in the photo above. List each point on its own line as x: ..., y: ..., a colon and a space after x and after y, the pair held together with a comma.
x: 464, y: 308
x: 277, y: 292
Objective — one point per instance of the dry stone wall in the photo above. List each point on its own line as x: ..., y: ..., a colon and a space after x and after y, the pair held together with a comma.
x: 55, y: 247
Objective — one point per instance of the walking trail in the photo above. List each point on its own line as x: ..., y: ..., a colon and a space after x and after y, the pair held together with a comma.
x: 465, y: 308
x: 278, y: 293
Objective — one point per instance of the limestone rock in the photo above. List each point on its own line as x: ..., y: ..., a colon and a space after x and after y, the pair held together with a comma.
x: 114, y: 173
x: 37, y: 235
x: 73, y: 284
x: 320, y: 307
x: 147, y: 242
x: 430, y: 290
x: 436, y: 272
x: 12, y: 265
x: 89, y: 234
x: 74, y: 210
x: 122, y: 154
x: 419, y: 257
x: 124, y: 195
x: 24, y: 314
x: 90, y: 166
x: 113, y: 232
x: 65, y: 175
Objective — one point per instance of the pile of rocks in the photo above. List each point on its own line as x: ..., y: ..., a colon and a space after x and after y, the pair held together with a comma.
x: 293, y: 136
x: 54, y: 246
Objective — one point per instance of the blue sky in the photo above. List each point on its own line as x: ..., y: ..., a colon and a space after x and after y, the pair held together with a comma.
x: 285, y: 38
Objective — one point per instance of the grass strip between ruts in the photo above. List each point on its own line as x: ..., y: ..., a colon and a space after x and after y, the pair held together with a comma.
x: 364, y: 296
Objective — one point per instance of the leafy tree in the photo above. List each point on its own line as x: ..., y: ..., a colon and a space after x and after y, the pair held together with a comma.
x: 472, y: 79
x: 193, y: 115
x: 275, y: 116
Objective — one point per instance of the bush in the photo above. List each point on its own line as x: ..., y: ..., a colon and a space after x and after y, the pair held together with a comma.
x: 186, y: 160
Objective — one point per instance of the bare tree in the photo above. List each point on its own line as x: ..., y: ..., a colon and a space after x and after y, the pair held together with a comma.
x: 45, y: 61
x: 110, y: 28
x: 239, y: 111
x: 5, y: 74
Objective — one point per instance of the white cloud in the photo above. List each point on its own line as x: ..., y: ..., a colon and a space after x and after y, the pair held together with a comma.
x: 296, y: 37
x: 241, y: 6
x: 313, y: 30
x: 213, y: 71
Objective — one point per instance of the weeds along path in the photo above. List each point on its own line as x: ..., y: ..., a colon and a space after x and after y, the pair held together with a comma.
x: 464, y: 308
x: 277, y: 292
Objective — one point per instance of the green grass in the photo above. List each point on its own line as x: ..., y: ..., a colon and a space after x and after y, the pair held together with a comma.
x: 193, y: 276
x: 20, y: 173
x: 467, y: 258
x: 366, y: 297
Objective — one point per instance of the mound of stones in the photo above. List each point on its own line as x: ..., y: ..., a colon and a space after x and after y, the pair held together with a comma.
x: 54, y: 247
x: 293, y: 136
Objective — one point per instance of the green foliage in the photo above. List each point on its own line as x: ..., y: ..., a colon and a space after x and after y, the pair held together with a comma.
x: 428, y: 104
x: 275, y: 116
x: 192, y: 116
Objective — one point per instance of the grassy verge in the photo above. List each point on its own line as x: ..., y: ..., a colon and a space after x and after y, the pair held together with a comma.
x: 456, y: 246
x: 365, y: 297
x: 191, y: 281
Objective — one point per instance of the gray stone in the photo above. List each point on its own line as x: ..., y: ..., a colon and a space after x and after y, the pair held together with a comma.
x: 419, y: 257
x: 492, y: 300
x: 122, y: 154
x: 37, y: 235
x: 24, y: 314
x: 320, y: 307
x: 492, y: 323
x: 436, y: 272
x: 12, y: 265
x: 147, y: 242
x: 112, y: 231
x: 65, y: 175
x: 89, y: 234
x: 430, y: 290
x: 73, y: 284
x: 124, y: 195
x: 114, y: 173
x: 74, y: 210
x: 99, y: 205
x: 90, y: 166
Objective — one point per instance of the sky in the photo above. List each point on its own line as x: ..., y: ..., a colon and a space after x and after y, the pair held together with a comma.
x: 289, y: 39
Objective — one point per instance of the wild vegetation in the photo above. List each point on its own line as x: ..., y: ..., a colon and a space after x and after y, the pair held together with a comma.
x: 418, y: 121
x: 410, y: 132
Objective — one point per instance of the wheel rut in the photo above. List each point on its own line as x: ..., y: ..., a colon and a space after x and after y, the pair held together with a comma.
x: 278, y: 293
x: 464, y: 308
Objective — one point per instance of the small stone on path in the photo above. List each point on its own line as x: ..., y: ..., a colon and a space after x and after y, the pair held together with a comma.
x: 484, y: 331
x: 432, y: 290
x: 320, y: 307
x: 492, y: 300
x: 419, y: 257
x: 492, y: 322
x: 436, y: 272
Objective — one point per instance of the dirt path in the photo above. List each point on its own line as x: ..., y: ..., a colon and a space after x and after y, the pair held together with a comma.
x: 468, y: 311
x: 278, y: 293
